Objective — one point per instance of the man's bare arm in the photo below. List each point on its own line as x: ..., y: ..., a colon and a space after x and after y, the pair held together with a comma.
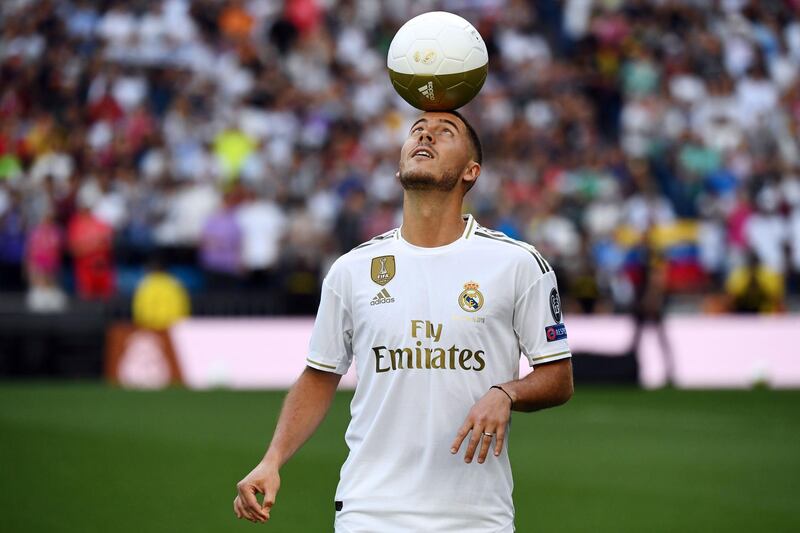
x: 548, y: 385
x: 303, y: 410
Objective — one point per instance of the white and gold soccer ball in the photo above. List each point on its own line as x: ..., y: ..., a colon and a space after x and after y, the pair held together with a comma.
x: 437, y: 61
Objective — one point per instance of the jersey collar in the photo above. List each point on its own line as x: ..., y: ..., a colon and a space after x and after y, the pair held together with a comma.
x: 469, y: 230
x: 470, y: 227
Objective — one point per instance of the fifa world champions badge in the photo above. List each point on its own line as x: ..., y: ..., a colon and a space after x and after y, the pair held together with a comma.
x: 471, y: 299
x: 382, y: 269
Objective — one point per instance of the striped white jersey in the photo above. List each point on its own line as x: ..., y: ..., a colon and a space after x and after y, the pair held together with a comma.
x: 430, y: 330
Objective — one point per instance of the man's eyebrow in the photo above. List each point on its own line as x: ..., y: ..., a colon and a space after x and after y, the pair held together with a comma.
x: 442, y: 119
x: 451, y: 123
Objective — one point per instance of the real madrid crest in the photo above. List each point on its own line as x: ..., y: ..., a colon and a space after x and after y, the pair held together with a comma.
x: 382, y: 269
x: 471, y: 299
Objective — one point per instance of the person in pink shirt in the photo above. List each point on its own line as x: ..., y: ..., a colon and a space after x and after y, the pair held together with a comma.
x: 737, y: 221
x: 43, y: 252
x: 43, y: 248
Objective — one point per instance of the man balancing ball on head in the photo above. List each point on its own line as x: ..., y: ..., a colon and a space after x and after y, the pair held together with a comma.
x: 435, y: 315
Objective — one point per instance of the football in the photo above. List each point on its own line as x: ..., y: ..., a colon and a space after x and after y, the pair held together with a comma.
x: 437, y: 61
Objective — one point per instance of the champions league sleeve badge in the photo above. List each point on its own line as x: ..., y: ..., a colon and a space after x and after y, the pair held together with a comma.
x: 557, y: 331
x: 471, y: 299
x: 555, y: 305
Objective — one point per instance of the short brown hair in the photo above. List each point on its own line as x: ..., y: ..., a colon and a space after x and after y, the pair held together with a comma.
x: 474, y: 141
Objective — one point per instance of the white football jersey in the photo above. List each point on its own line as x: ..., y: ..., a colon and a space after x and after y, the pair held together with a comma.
x: 430, y: 330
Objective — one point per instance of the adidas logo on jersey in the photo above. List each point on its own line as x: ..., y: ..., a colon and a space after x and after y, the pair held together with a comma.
x: 427, y: 91
x: 383, y: 297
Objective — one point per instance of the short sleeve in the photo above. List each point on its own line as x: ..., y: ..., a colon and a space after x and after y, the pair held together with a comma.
x: 331, y: 348
x: 538, y: 322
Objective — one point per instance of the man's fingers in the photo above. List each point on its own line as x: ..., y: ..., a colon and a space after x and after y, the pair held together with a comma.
x: 498, y: 442
x: 474, y: 440
x: 485, y: 443
x: 250, y: 503
x: 247, y: 493
x: 270, y: 494
x: 462, y: 432
x: 269, y: 500
x: 238, y: 508
x: 241, y: 512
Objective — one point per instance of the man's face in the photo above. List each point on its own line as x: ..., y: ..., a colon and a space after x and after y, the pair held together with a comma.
x: 435, y: 154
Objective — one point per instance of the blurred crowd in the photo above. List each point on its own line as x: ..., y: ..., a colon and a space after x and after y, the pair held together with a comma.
x: 247, y: 143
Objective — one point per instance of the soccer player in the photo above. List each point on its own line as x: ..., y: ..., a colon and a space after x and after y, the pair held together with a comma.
x: 435, y: 315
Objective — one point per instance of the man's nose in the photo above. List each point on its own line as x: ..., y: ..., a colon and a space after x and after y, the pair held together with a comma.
x: 425, y: 135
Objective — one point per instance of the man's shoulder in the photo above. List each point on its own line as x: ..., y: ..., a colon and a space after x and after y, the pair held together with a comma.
x: 506, y: 248
x: 378, y: 242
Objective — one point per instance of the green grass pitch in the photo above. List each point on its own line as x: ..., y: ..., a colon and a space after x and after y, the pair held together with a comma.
x: 89, y: 458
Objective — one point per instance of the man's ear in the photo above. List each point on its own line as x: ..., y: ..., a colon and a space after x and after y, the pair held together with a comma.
x: 471, y: 173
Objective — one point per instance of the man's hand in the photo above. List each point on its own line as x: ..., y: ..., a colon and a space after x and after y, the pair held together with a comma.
x: 303, y: 410
x: 263, y: 479
x: 490, y: 415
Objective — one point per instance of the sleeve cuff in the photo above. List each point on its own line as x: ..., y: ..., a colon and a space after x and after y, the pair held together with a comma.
x: 549, y: 358
x: 325, y: 367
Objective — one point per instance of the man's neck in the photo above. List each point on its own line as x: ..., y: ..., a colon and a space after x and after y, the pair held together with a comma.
x: 431, y: 219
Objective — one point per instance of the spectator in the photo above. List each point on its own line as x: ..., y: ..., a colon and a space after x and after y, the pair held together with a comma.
x: 263, y: 225
x: 651, y: 298
x: 235, y: 21
x: 755, y: 288
x: 160, y: 300
x: 43, y: 250
x: 221, y: 247
x: 767, y: 231
x: 349, y: 225
x: 305, y: 250
x: 90, y: 242
x: 584, y: 286
x: 380, y: 220
x: 12, y: 243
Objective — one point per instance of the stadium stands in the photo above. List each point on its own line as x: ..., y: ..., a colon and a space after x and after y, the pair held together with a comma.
x: 614, y: 131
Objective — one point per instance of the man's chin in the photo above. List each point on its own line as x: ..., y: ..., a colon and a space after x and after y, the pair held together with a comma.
x: 416, y: 180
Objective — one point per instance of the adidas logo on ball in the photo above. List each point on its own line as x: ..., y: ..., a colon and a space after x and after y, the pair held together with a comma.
x: 427, y: 91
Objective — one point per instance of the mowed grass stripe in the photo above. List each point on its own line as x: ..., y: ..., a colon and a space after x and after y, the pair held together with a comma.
x: 92, y: 458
